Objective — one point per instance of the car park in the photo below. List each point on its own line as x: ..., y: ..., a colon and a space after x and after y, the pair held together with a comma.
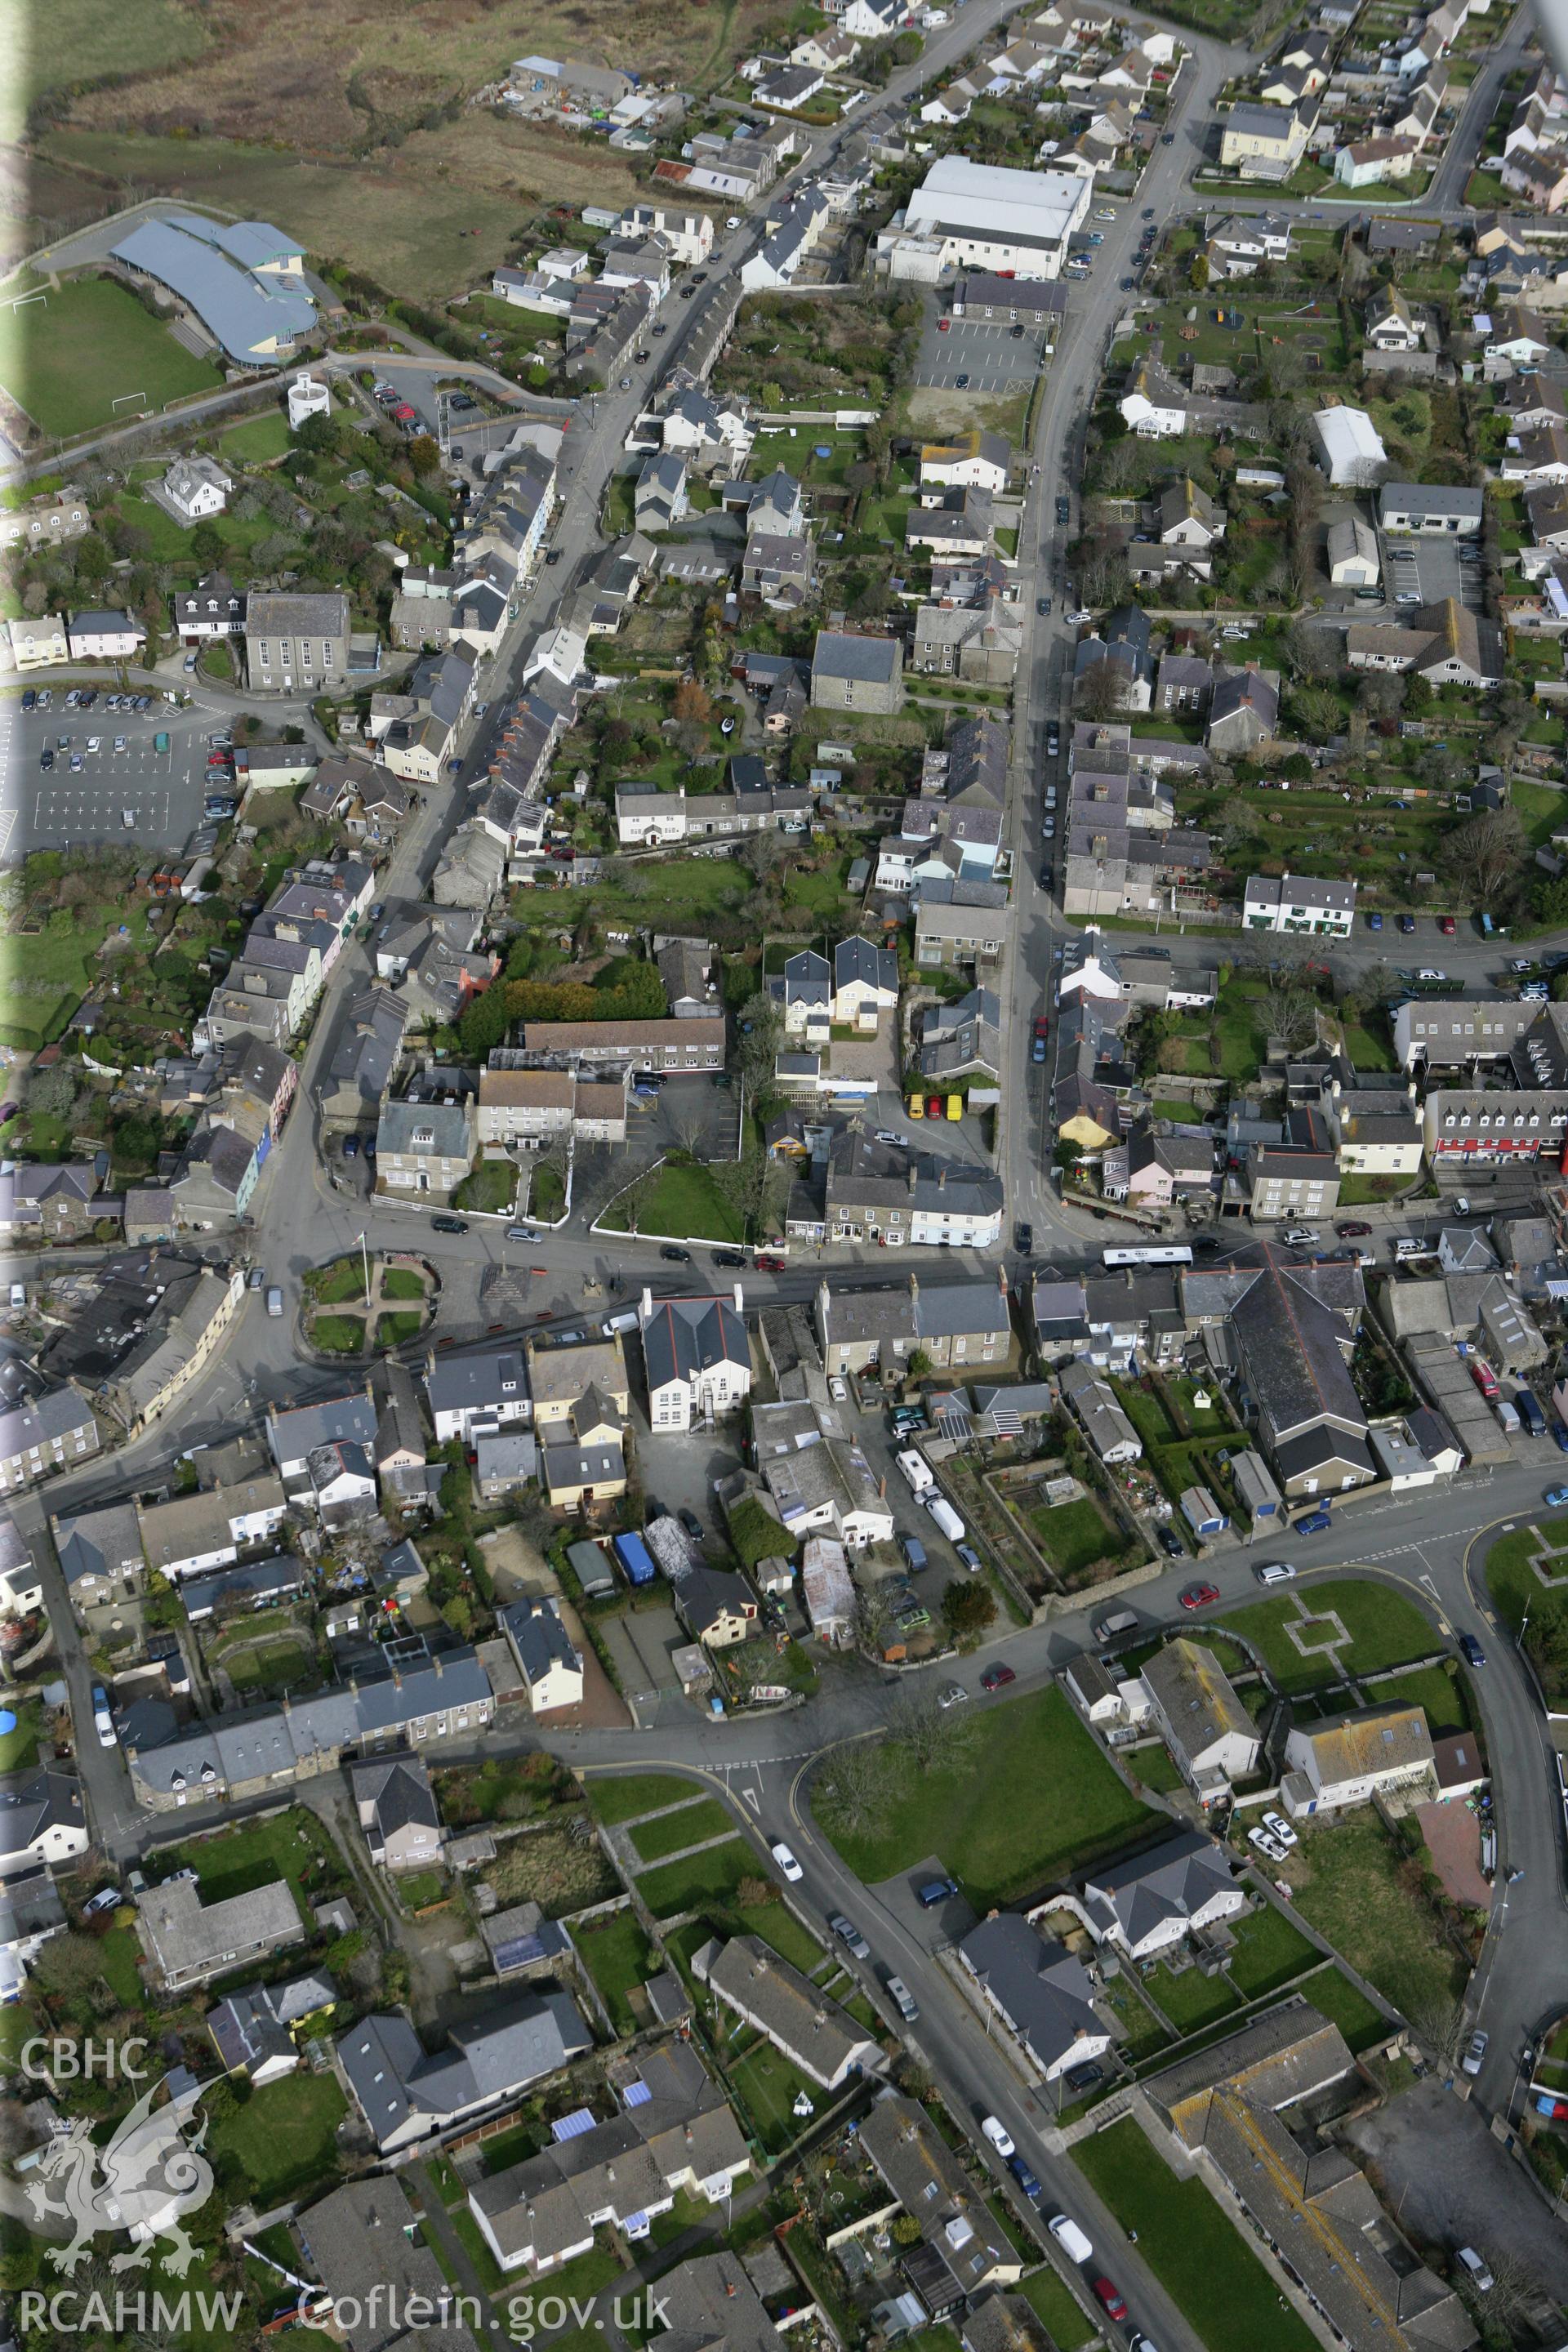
x: 1198, y: 1596
x: 997, y: 1678
x: 1471, y: 2062
x: 848, y: 1933
x: 998, y: 2132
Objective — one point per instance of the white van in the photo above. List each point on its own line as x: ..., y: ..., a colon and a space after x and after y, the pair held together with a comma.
x: 946, y: 1517
x: 1070, y: 2239
x: 1411, y: 1246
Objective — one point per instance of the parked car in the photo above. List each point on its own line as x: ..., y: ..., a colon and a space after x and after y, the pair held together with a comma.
x: 1447, y: 925
x: 1085, y: 2077
x: 1407, y: 923
x: 786, y: 1863
x: 691, y: 1523
x: 102, y: 1721
x: 766, y: 1264
x: 1475, y: 2269
x: 998, y: 2132
x: 1025, y: 2178
x: 1171, y: 1543
x: 1472, y: 2060
x: 1198, y: 1596
x: 730, y: 1257
x: 1110, y: 2297
x: 1352, y: 1229
x: 1299, y: 1237
x: 1375, y: 922
x: 902, y: 1999
x: 951, y: 1695
x: 1474, y: 1655
x: 1266, y: 1844
x: 1278, y: 1827
x: 932, y: 1890
x: 997, y: 1678
x: 449, y: 1225
x: 1556, y: 1497
x: 970, y: 1556
x: 675, y: 1253
x: 1316, y: 1523
x: 848, y: 1933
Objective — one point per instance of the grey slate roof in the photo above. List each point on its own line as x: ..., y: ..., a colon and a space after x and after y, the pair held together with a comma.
x: 1171, y: 1882
x: 1042, y: 1989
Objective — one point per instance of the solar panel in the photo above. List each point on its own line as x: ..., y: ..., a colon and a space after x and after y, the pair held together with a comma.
x: 517, y: 1953
x: 574, y: 2125
x: 636, y: 2095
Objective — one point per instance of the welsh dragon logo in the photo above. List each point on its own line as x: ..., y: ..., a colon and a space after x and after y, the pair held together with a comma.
x: 151, y: 2177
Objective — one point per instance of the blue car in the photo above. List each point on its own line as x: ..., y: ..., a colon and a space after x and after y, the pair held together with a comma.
x: 1038, y: 1050
x: 1560, y: 1435
x: 1025, y: 2178
x: 1474, y: 1654
x: 1375, y: 922
x: 1316, y: 1523
x: 1555, y: 1497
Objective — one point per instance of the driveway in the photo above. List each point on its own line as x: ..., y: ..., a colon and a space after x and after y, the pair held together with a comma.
x: 1451, y: 2184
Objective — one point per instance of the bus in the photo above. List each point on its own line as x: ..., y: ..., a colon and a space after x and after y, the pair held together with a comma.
x: 1158, y: 1254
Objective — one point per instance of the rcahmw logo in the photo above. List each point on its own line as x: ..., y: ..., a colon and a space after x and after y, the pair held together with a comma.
x: 151, y: 2177
x: 65, y: 2312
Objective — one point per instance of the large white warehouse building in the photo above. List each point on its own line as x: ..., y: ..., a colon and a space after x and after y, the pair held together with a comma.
x: 980, y: 216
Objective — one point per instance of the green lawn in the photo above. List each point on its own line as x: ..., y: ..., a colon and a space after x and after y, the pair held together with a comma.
x: 253, y: 444
x: 707, y: 1819
x: 1190, y: 2001
x: 1440, y: 1689
x: 767, y: 2084
x: 682, y: 1203
x: 336, y: 1284
x: 1066, y: 1805
x: 1203, y: 2262
x: 93, y: 39
x: 339, y: 1335
x: 418, y: 1888
x: 469, y: 2236
x: 777, y: 1926
x: 118, y: 1953
x: 1144, y: 2033
x: 711, y: 1876
x: 617, y: 1956
x: 1073, y: 1535
x: 1054, y: 2305
x: 283, y: 2136
x: 401, y: 1282
x: 1269, y: 1952
x: 271, y: 1666
x: 19, y: 1748
x: 1384, y: 1628
x: 1511, y: 1581
x: 88, y: 344
x: 1350, y: 1885
x: 290, y: 1845
x: 396, y: 1330
x: 1331, y: 1992
x: 492, y: 1187
x: 621, y: 1797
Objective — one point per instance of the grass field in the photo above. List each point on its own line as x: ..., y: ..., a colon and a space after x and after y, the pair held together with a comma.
x: 671, y: 1832
x: 253, y: 444
x: 1331, y: 1992
x: 271, y: 1666
x: 1384, y: 1629
x: 682, y: 1203
x: 1051, y: 2303
x: 92, y: 343
x: 617, y: 1956
x: 1440, y: 1689
x: 1073, y: 1535
x: 779, y: 1926
x: 1064, y: 1806
x: 711, y: 1877
x: 1204, y: 2261
x: 768, y: 2084
x: 283, y: 2136
x: 1269, y: 1952
x: 621, y: 1797
x: 1350, y: 1885
x: 77, y: 41
x: 244, y: 1859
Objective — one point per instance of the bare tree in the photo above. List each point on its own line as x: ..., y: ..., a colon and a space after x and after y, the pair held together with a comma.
x: 688, y: 1123
x: 1292, y: 1012
x: 634, y: 1197
x: 752, y: 1187
x: 1487, y: 852
x: 928, y: 1733
x: 1440, y: 2023
x: 859, y: 1786
x: 1101, y: 692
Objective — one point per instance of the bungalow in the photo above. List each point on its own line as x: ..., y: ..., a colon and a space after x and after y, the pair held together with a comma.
x: 823, y: 2041
x: 1144, y: 1906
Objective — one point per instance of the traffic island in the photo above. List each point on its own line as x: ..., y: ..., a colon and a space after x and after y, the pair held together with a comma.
x: 359, y: 1304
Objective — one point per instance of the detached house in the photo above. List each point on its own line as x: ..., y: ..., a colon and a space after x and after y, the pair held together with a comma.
x: 697, y: 1358
x: 1144, y: 1906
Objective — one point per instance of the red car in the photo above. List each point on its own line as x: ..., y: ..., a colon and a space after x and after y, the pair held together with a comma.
x: 1351, y: 1229
x: 1446, y: 926
x: 1042, y: 1024
x: 769, y: 1265
x: 1110, y: 2297
x: 1198, y: 1596
x: 997, y: 1678
x: 934, y: 1106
